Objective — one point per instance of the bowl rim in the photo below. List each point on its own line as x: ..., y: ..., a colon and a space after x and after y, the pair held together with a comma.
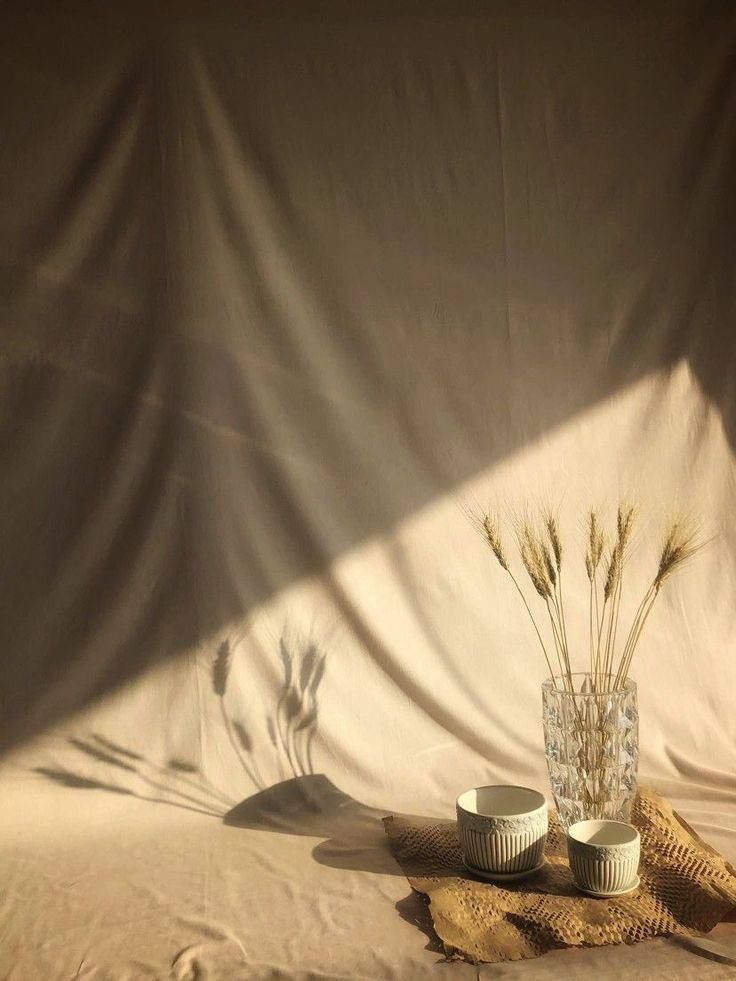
x: 631, y: 840
x: 542, y: 806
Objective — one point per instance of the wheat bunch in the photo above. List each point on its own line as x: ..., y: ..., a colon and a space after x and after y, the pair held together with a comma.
x: 541, y: 552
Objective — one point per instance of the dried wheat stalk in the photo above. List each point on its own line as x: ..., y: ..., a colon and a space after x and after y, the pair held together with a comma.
x: 541, y: 552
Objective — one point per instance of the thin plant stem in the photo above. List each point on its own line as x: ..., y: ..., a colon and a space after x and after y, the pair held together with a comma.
x: 284, y: 738
x: 639, y: 632
x: 553, y: 606
x: 561, y: 634
x: 600, y: 636
x: 295, y: 743
x: 310, y: 763
x: 633, y: 630
x: 562, y: 613
x: 633, y: 634
x: 600, y: 626
x: 617, y: 608
x: 555, y: 633
x: 590, y: 628
x: 618, y: 615
x: 234, y: 744
x: 597, y: 612
x: 606, y: 649
x: 534, y: 622
x: 564, y: 673
x: 609, y: 632
x: 636, y: 631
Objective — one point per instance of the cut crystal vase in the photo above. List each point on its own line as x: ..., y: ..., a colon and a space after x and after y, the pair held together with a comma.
x: 591, y: 741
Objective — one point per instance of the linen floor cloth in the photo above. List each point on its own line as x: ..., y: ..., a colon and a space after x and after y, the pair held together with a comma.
x: 286, y: 289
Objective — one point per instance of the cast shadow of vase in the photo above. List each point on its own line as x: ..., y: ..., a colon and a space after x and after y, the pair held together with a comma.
x: 353, y: 833
x: 311, y: 805
x: 304, y: 803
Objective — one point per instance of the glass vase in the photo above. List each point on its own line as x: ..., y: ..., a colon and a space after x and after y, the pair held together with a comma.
x: 591, y: 741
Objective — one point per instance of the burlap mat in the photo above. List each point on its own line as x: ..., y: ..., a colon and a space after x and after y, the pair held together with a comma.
x: 686, y: 887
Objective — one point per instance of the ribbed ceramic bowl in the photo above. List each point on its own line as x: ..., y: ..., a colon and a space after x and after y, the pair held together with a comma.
x: 604, y: 855
x: 502, y: 830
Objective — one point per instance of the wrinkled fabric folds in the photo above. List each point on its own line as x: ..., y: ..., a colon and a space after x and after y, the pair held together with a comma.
x: 285, y: 292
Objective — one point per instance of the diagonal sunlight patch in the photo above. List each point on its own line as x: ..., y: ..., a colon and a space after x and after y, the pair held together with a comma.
x: 431, y: 674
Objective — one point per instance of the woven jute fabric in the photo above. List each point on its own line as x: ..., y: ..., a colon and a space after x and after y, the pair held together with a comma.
x: 686, y: 887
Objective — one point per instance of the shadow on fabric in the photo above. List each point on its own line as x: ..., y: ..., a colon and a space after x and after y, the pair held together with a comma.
x: 214, y: 336
x: 305, y: 803
x: 308, y: 806
x: 314, y: 807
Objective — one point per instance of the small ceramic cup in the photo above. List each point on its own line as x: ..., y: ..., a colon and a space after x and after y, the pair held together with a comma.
x: 502, y: 830
x: 604, y: 856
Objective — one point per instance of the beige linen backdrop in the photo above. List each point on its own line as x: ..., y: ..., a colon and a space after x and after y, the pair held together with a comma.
x: 287, y: 288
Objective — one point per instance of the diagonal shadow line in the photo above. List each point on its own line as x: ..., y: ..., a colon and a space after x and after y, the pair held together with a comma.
x: 303, y: 666
x: 707, y: 347
x: 98, y: 755
x: 68, y: 778
x: 113, y: 747
x: 184, y: 771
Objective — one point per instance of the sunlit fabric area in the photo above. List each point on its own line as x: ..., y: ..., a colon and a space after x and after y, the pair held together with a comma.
x: 294, y: 297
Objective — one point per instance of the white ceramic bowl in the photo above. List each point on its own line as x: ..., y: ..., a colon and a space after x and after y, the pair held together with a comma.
x: 604, y: 856
x: 502, y: 829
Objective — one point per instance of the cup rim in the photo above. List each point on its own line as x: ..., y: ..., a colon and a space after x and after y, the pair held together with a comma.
x: 633, y: 833
x: 551, y: 684
x: 541, y: 806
